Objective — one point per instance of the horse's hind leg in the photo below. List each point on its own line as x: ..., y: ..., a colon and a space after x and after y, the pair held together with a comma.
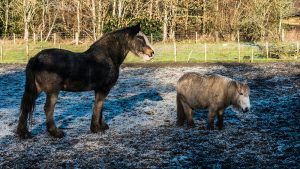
x: 25, y: 114
x: 97, y: 123
x: 49, y: 111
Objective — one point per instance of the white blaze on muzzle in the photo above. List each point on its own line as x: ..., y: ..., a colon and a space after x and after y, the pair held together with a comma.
x: 147, y: 42
x: 245, y: 103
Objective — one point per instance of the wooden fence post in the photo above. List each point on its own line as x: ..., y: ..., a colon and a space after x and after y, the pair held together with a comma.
x: 151, y: 38
x: 175, y: 51
x: 76, y: 38
x: 282, y: 35
x: 189, y: 56
x: 34, y: 38
x: 239, y: 48
x: 27, y: 51
x: 54, y: 38
x: 14, y: 38
x: 1, y: 53
x: 205, y: 52
x: 196, y: 37
x: 267, y: 50
x: 252, y: 54
x: 41, y: 36
x: 298, y: 48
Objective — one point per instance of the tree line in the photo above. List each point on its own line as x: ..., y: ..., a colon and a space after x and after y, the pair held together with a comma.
x: 165, y: 19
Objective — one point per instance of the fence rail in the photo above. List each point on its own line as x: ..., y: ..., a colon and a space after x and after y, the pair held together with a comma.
x: 14, y: 49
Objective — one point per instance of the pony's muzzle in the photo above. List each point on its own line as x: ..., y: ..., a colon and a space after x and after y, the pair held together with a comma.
x: 246, y: 110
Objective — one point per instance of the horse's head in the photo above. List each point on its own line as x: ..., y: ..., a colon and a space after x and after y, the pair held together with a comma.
x: 242, y: 97
x: 139, y: 43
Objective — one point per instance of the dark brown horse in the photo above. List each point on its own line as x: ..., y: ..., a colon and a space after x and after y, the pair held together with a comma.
x: 53, y: 70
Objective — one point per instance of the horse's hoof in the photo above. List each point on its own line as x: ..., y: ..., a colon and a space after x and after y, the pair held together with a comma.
x: 24, y: 134
x: 95, y: 128
x: 57, y: 133
x: 104, y: 127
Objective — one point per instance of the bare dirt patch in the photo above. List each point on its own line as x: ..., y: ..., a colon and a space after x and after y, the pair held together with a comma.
x: 141, y: 112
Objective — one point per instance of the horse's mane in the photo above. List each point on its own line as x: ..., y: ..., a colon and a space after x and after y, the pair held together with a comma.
x: 115, y: 35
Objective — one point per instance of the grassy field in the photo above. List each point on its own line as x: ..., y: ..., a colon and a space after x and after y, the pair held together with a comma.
x: 165, y: 52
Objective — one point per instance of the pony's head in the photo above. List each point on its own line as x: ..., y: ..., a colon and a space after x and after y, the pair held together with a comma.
x: 139, y: 44
x: 242, y: 101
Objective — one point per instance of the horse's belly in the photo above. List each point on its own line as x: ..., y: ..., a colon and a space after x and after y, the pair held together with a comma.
x: 77, y: 86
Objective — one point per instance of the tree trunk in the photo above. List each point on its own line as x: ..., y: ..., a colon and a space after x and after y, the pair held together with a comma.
x: 120, y: 8
x: 114, y: 8
x: 150, y: 9
x: 43, y: 15
x: 165, y: 26
x: 204, y: 18
x: 94, y: 19
x: 25, y: 19
x: 99, y: 21
x: 78, y: 17
x: 6, y: 17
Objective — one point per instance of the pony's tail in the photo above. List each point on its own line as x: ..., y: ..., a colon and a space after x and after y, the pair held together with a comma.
x: 28, y: 100
x: 180, y: 111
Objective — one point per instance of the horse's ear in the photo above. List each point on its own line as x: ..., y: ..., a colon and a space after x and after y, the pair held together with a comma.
x: 135, y: 29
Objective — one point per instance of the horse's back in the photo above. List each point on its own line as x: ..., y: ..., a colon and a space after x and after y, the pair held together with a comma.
x: 58, y: 69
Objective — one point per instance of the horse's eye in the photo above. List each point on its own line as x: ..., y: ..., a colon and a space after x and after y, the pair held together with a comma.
x: 241, y: 94
x: 140, y: 38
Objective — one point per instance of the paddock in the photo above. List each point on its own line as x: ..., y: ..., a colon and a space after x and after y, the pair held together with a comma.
x: 141, y: 113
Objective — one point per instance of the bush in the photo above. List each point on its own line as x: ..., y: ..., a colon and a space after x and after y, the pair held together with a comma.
x: 149, y: 26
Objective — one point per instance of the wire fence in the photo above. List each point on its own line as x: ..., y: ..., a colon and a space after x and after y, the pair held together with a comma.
x: 14, y: 49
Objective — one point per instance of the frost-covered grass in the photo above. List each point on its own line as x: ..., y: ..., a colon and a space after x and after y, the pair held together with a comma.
x: 141, y: 113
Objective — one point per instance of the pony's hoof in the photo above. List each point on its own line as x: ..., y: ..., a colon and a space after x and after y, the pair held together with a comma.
x: 191, y: 124
x: 210, y: 128
x: 179, y: 123
x: 57, y: 133
x: 99, y: 128
x: 24, y: 134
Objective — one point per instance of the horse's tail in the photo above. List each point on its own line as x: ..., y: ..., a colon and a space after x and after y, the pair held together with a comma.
x: 30, y: 93
x: 180, y: 111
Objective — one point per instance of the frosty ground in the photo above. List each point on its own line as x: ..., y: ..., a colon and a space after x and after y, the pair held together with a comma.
x: 141, y: 113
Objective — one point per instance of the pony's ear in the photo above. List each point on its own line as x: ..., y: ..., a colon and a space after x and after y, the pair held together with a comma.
x: 135, y: 29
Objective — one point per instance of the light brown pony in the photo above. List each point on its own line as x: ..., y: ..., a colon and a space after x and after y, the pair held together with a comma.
x: 211, y: 91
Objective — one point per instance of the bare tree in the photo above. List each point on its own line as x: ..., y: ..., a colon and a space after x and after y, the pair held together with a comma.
x: 28, y: 12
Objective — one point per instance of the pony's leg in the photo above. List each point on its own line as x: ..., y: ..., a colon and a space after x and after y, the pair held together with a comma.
x: 220, y: 119
x: 211, y: 117
x: 180, y: 112
x: 97, y: 123
x: 188, y: 114
x: 49, y: 111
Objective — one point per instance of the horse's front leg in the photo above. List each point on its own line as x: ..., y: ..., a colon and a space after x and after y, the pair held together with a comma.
x: 97, y: 123
x: 49, y: 111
